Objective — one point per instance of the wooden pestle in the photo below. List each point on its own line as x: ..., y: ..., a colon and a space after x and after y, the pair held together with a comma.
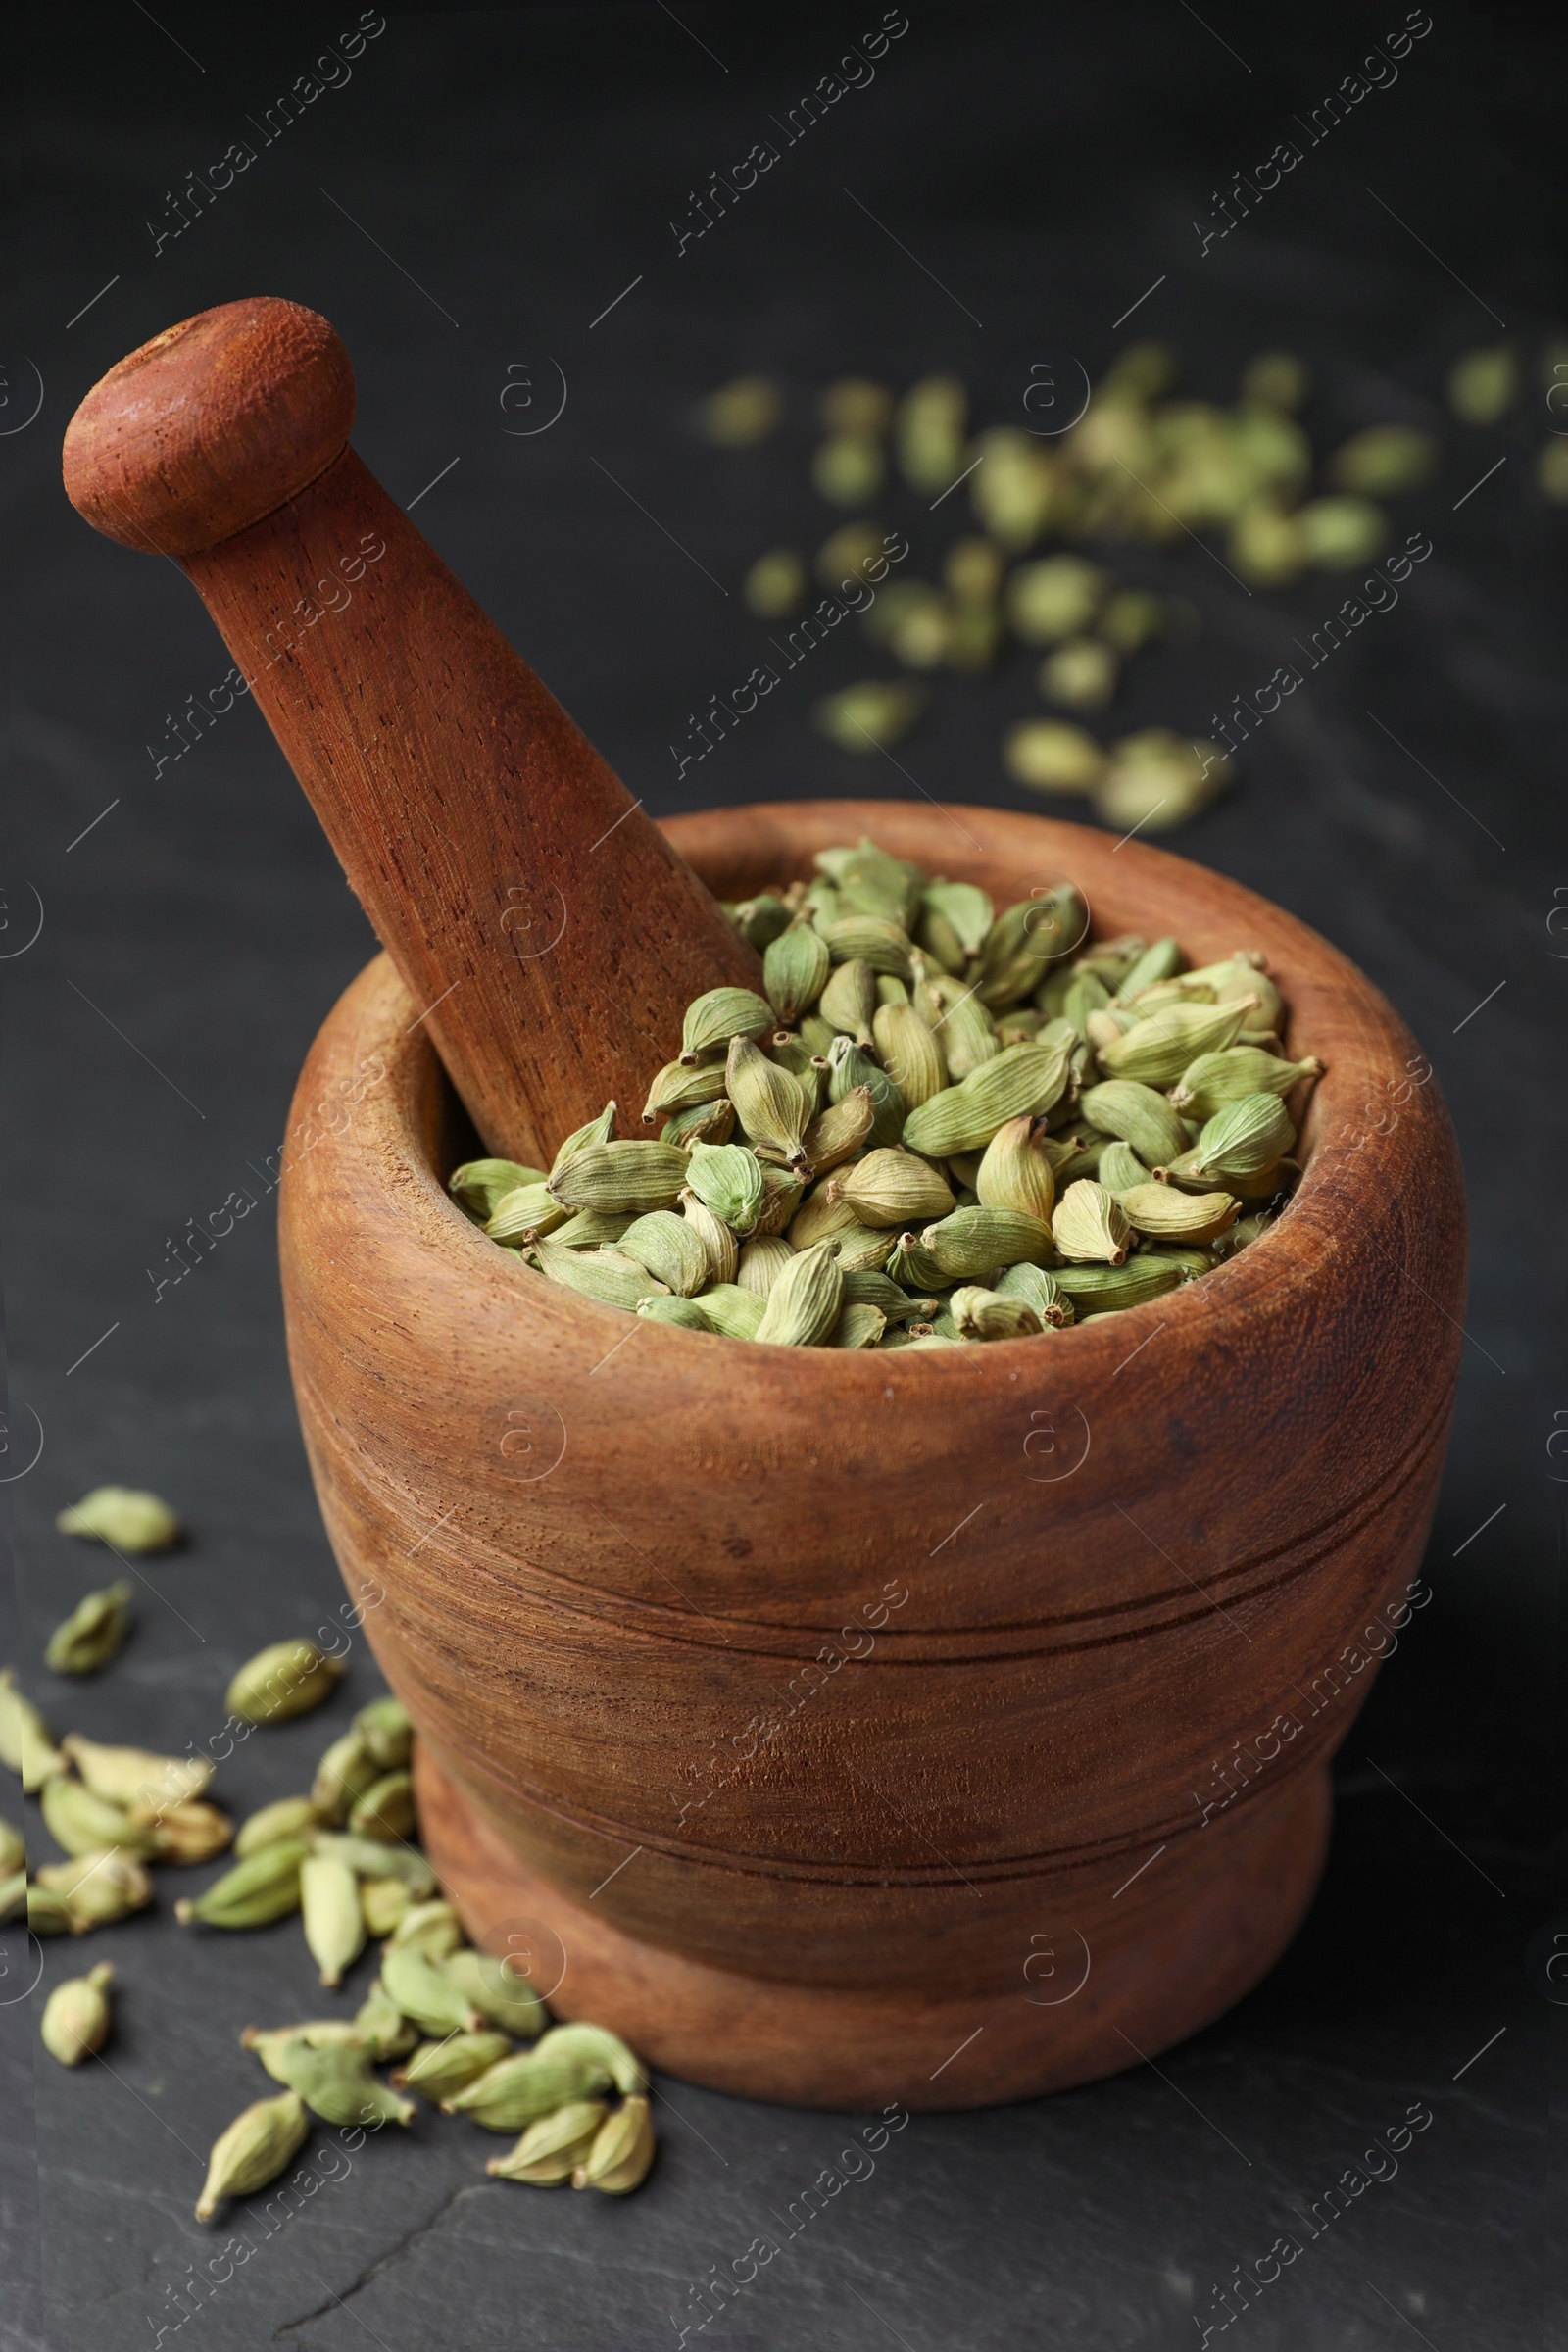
x: 547, y: 934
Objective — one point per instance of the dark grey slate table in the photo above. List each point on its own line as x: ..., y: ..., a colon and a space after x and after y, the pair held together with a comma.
x: 492, y: 186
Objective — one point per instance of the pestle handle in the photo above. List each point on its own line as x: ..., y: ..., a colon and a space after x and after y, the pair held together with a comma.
x: 549, y: 935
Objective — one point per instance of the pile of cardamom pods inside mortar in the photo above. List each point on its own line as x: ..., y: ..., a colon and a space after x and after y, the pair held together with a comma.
x: 941, y: 1124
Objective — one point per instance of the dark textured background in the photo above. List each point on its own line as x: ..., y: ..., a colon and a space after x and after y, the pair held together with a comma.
x: 522, y: 167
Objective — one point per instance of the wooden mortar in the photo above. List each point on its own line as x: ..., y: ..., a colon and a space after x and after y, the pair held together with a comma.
x: 844, y: 1727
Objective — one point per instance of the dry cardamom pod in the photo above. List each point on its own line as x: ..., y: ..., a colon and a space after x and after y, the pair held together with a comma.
x: 125, y: 1518
x: 254, y: 2150
x: 912, y: 1268
x: 911, y: 1054
x: 848, y: 1068
x: 432, y: 1927
x: 716, y: 1240
x: 26, y: 1745
x: 84, y: 1824
x: 521, y: 1217
x: 968, y: 911
x: 49, y: 1913
x: 794, y: 969
x: 1016, y: 1172
x: 515, y: 2092
x: 135, y: 1776
x: 974, y: 1242
x: 287, y: 1678
x: 263, y: 1887
x: 963, y: 1028
x: 721, y: 1015
x: 873, y: 1287
x: 891, y: 1188
x: 603, y: 1275
x: 670, y: 1248
x: 727, y: 1179
x: 732, y: 1311
x: 480, y: 1186
x: 424, y: 1992
x: 1244, y: 1138
x: 1166, y: 1215
x: 383, y: 1724
x: 849, y: 1002
x: 993, y: 1315
x: 191, y: 1831
x: 1096, y: 1289
x: 1161, y: 959
x: 342, y: 1777
x: 372, y: 1860
x: 285, y: 1817
x: 334, y: 1924
x: 596, y: 1131
x: 500, y: 1990
x: 75, y: 2016
x: 555, y: 2147
x: 98, y: 1888
x: 1156, y: 1051
x: 820, y: 1215
x: 857, y: 1326
x: 438, y: 2069
x: 93, y: 1632
x: 705, y: 1123
x: 804, y: 1304
x: 838, y: 1133
x: 684, y: 1313
x: 383, y: 1903
x: 622, y: 2153
x: 1135, y: 1115
x: 13, y: 1849
x: 1020, y: 1081
x: 628, y: 1177
x: 679, y: 1085
x: 1091, y: 1225
x: 869, y: 939
x: 381, y: 2027
x: 1120, y: 1169
x: 336, y: 2084
x: 599, y: 2045
x: 1213, y: 1080
x: 1039, y: 1286
x: 769, y: 1104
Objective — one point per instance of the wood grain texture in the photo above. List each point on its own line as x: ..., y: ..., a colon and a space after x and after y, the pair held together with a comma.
x: 1099, y: 1571
x: 544, y: 928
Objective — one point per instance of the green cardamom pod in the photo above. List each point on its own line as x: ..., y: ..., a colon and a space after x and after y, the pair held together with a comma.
x: 1019, y: 949
x: 515, y: 2092
x: 603, y: 1275
x: 911, y: 1054
x: 1098, y: 1289
x: 84, y: 1824
x: 98, y: 1888
x: 820, y: 1215
x: 1244, y: 974
x: 1120, y: 1168
x: 13, y: 1849
x: 795, y: 970
x: 720, y: 1015
x: 769, y: 1104
x: 963, y: 1029
x: 670, y: 1250
x: 680, y: 1087
x: 432, y: 1927
x: 387, y: 1731
x: 1091, y: 1225
x: 437, y: 2069
x: 684, y: 1313
x: 1021, y: 1081
x: 1085, y: 994
x: 334, y: 1925
x: 335, y: 2082
x: 597, y: 2045
x: 1039, y: 1286
x: 522, y: 1216
x: 850, y: 1068
x: 912, y: 1268
x: 480, y: 1186
x: 26, y: 1745
x: 372, y: 1860
x: 381, y: 2027
x: 781, y: 1196
x: 727, y: 1179
x: 384, y: 1903
x: 589, y: 1229
x: 285, y: 1817
x: 1213, y: 1080
x: 761, y: 1262
x: 1186, y: 1171
x: 1135, y: 1115
x: 287, y: 1678
x: 500, y: 1990
x: 75, y: 2017
x: 850, y: 1002
x: 1156, y: 1051
x: 1161, y: 959
x: 718, y: 1245
x: 1245, y: 1136
x: 342, y: 1777
x: 981, y: 1314
x: 804, y: 1304
x: 840, y: 1131
x: 804, y: 1066
x: 974, y: 1242
x: 1165, y: 1213
x: 704, y: 1123
x: 857, y: 1326
x: 191, y: 1831
x: 135, y: 1776
x: 1015, y: 1171
x: 872, y: 881
x: 14, y: 1896
x: 759, y: 920
x: 937, y: 940
x: 424, y: 1992
x: 263, y: 1887
x: 49, y: 1913
x: 869, y: 939
x: 255, y: 2147
x: 93, y: 1632
x: 726, y: 1308
x: 862, y: 1249
x: 891, y: 1188
x: 556, y: 2147
x: 622, y: 2153
x: 873, y: 1287
x: 965, y: 908
x: 124, y: 1518
x: 597, y: 1131
x: 628, y: 1176
x: 269, y: 2042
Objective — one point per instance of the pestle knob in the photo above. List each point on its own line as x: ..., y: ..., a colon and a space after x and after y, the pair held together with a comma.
x: 549, y: 935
